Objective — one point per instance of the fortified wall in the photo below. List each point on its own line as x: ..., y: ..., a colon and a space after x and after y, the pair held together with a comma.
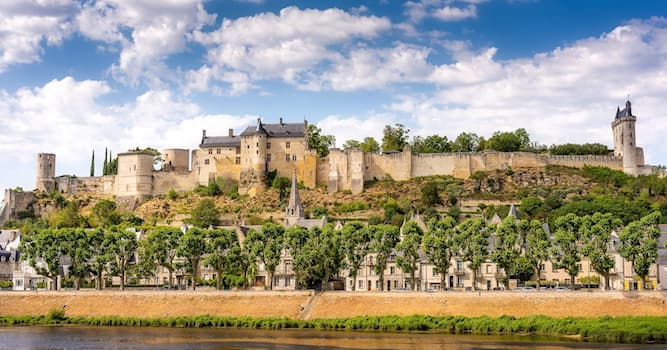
x: 348, y: 169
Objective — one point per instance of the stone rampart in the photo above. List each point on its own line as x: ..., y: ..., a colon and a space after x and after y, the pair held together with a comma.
x: 178, y: 181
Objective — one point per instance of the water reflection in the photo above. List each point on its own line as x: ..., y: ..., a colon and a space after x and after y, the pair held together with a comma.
x: 75, y: 337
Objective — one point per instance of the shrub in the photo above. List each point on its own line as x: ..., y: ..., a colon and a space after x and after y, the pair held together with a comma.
x: 56, y: 314
x: 350, y: 207
x: 171, y: 194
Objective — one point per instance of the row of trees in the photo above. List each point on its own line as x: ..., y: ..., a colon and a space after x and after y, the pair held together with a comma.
x: 396, y: 137
x: 518, y: 247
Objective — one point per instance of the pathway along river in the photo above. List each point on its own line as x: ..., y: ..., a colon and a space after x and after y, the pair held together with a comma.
x: 80, y: 337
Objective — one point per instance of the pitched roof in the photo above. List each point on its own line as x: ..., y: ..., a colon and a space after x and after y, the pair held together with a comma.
x: 277, y: 130
x: 221, y: 141
x: 625, y: 112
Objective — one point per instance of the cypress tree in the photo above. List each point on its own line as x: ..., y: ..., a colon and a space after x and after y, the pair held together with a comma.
x: 106, y: 163
x: 92, y: 164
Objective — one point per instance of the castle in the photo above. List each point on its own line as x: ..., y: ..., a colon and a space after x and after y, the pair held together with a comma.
x: 283, y: 148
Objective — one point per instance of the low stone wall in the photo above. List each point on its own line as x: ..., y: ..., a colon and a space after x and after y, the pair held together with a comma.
x: 307, y: 305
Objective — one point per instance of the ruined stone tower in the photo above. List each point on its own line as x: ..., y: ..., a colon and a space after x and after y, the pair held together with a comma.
x: 46, y: 172
x: 625, y: 144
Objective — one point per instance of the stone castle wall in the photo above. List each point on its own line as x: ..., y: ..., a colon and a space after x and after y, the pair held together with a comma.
x: 405, y: 165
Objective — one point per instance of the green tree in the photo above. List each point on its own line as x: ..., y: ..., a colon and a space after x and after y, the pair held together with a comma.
x: 122, y: 246
x: 296, y: 238
x: 104, y: 214
x: 351, y: 144
x: 92, y: 164
x: 106, y: 162
x: 507, y: 246
x: 329, y: 251
x: 466, y: 142
x: 440, y: 246
x: 431, y: 144
x: 75, y: 245
x: 267, y: 245
x: 531, y: 206
x: 639, y: 243
x: 536, y: 247
x: 192, y: 247
x: 596, y: 233
x: 394, y: 138
x: 220, y: 245
x: 320, y: 143
x: 101, y: 256
x: 43, y: 251
x: 282, y: 184
x: 430, y: 194
x: 509, y: 141
x: 385, y: 238
x: 68, y: 216
x: 473, y: 240
x: 205, y: 214
x: 407, y: 250
x: 356, y: 245
x: 522, y: 269
x: 161, y: 246
x: 369, y: 145
x: 566, y: 251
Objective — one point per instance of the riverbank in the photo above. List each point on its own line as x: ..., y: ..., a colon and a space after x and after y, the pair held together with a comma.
x: 306, y: 305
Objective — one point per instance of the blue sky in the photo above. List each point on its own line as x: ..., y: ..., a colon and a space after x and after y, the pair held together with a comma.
x: 77, y: 76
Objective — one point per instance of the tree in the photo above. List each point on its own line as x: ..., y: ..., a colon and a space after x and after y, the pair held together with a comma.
x: 565, y: 251
x: 320, y: 143
x: 466, y: 142
x: 430, y: 195
x: 431, y: 144
x: 369, y: 145
x: 296, y: 238
x: 473, y: 240
x: 192, y: 247
x: 596, y: 238
x: 122, y: 246
x: 105, y: 165
x: 531, y: 206
x: 205, y: 214
x: 267, y: 245
x: 331, y: 255
x: 99, y: 241
x: 408, y: 250
x: 440, y: 246
x: 395, y: 138
x: 351, y: 144
x: 92, y: 164
x: 507, y: 246
x: 515, y: 141
x: 76, y: 246
x: 522, y: 269
x: 104, y: 214
x: 282, y: 184
x: 385, y: 238
x: 66, y: 217
x: 356, y: 245
x: 220, y: 244
x: 161, y: 246
x: 43, y: 251
x: 536, y: 247
x: 639, y: 243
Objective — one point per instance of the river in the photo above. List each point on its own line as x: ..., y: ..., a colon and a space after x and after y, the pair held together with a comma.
x: 81, y: 337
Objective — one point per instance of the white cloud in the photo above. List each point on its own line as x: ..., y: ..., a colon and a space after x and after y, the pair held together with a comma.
x: 26, y: 25
x: 289, y: 46
x: 569, y: 94
x: 450, y: 14
x: 355, y: 128
x: 444, y: 10
x: 157, y: 29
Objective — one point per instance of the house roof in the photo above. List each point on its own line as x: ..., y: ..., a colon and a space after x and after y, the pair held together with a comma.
x: 277, y: 130
x: 625, y: 112
x: 221, y: 141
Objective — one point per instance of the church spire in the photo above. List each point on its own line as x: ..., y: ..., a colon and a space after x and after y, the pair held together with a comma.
x: 294, y: 210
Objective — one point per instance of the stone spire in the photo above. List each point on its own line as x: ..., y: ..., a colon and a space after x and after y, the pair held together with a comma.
x: 513, y: 212
x: 294, y: 210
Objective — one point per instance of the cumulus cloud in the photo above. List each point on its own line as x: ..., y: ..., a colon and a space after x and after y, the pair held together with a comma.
x: 286, y: 46
x: 568, y: 94
x: 450, y: 14
x: 444, y: 10
x: 355, y: 127
x: 26, y: 25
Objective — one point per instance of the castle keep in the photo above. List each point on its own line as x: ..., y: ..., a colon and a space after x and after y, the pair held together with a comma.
x: 283, y: 148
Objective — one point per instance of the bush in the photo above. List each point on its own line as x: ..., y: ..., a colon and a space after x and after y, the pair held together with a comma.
x: 430, y: 195
x: 350, y: 207
x: 56, y: 314
x: 171, y: 194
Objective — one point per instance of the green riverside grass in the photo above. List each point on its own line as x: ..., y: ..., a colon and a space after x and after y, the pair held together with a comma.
x: 603, y: 329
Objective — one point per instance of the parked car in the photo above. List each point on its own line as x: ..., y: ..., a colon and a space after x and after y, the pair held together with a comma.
x: 525, y: 289
x: 561, y: 289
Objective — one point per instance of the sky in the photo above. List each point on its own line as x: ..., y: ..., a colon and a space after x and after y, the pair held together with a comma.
x: 82, y: 76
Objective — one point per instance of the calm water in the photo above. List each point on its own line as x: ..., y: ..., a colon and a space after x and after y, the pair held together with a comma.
x: 74, y: 337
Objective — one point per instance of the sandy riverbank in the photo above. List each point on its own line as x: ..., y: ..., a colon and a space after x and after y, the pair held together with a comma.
x: 307, y: 305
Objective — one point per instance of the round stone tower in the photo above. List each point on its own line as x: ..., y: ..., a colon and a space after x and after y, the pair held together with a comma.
x: 625, y: 144
x: 46, y: 172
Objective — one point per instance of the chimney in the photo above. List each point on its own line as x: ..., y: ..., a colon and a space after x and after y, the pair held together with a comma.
x: 203, y: 136
x: 281, y: 120
x: 231, y: 132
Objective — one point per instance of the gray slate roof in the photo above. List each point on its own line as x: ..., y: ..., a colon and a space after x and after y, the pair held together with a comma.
x: 626, y: 112
x: 278, y: 130
x: 221, y: 141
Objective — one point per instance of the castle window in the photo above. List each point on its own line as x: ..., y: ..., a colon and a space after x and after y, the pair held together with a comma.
x: 268, y: 145
x: 287, y: 157
x: 218, y: 150
x: 237, y: 160
x: 238, y: 150
x: 268, y: 157
x: 287, y: 144
x: 257, y: 144
x: 210, y: 151
x: 206, y: 161
x: 294, y: 157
